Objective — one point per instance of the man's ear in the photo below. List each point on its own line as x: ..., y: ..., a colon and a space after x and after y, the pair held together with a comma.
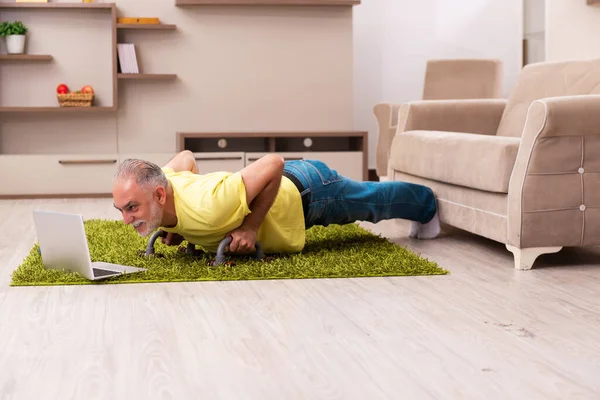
x: 160, y: 194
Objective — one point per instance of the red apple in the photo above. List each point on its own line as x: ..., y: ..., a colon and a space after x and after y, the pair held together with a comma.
x: 87, y: 89
x: 62, y: 89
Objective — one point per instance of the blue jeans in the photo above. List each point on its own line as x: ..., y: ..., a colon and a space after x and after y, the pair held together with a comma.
x: 334, y: 199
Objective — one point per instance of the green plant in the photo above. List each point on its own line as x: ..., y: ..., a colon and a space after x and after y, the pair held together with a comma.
x: 12, y: 28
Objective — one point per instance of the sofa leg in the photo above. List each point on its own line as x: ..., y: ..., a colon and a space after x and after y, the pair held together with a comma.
x: 524, y: 258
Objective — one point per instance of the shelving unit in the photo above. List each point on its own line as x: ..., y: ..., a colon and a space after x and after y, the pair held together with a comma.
x: 87, y: 165
x: 25, y: 57
x: 342, y: 150
x: 99, y: 7
x: 593, y: 2
x: 146, y: 76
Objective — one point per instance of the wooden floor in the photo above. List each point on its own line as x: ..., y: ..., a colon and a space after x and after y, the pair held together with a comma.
x: 486, y: 331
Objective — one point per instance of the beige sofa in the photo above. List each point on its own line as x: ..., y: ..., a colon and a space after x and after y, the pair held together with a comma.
x: 524, y: 171
x: 449, y: 78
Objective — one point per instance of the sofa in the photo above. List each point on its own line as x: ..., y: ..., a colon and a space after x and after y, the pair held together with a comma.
x: 444, y: 79
x: 523, y: 171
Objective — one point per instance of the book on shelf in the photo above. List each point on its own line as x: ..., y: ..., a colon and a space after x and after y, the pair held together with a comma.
x: 127, y: 58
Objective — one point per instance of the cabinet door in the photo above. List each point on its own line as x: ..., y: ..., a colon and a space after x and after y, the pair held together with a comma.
x: 217, y: 162
x: 347, y: 163
x: 57, y: 174
x: 206, y: 162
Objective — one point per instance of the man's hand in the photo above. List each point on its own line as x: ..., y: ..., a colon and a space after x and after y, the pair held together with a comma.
x: 262, y: 180
x: 243, y: 240
x: 172, y: 239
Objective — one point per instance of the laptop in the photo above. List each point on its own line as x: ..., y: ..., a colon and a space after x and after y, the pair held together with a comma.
x: 63, y: 245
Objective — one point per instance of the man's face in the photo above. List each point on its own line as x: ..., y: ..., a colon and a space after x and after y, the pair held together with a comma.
x: 140, y: 207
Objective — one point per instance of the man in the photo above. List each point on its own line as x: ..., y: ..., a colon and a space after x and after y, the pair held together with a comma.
x: 270, y: 201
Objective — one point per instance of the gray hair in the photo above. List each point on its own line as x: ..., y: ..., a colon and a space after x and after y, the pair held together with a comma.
x: 145, y: 173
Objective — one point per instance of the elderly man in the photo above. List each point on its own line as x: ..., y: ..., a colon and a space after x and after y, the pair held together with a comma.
x: 271, y: 201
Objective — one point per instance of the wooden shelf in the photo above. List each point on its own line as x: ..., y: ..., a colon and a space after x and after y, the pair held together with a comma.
x: 56, y: 109
x: 25, y: 57
x: 150, y: 27
x: 345, y: 3
x: 593, y: 2
x: 147, y: 77
x: 102, y: 6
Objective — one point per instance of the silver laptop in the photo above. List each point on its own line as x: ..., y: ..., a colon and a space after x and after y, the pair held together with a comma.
x: 63, y: 245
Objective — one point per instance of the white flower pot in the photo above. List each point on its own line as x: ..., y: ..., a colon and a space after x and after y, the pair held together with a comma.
x: 15, y: 44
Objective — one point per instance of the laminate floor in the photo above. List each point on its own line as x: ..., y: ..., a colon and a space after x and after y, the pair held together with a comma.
x: 486, y: 331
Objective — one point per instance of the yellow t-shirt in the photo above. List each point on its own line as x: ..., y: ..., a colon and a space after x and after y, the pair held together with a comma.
x: 211, y: 205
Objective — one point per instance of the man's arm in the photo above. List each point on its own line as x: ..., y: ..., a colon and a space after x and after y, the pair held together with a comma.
x: 183, y: 161
x: 262, y: 180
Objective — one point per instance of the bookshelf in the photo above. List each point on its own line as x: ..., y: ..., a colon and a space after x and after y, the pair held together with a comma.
x: 76, y: 7
x: 142, y: 76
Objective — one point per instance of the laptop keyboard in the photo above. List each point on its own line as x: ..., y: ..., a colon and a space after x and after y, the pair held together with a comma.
x: 103, y: 272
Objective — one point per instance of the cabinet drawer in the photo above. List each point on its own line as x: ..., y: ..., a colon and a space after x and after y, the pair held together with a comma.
x: 217, y: 162
x: 347, y: 163
x: 57, y: 174
x: 252, y: 157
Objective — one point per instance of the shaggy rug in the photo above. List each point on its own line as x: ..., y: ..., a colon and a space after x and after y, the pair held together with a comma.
x: 331, y: 252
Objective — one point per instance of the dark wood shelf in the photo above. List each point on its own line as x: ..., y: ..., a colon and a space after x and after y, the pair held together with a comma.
x: 345, y: 3
x: 593, y: 2
x: 56, y: 109
x: 101, y: 6
x: 150, y: 27
x: 25, y: 57
x: 147, y: 77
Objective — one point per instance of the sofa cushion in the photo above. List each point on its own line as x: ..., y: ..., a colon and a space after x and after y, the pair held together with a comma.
x: 483, y: 162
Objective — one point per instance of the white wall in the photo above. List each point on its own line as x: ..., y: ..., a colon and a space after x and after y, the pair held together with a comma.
x: 535, y: 30
x: 395, y: 38
x: 572, y: 30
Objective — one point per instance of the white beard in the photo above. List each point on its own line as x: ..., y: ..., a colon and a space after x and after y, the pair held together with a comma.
x: 154, y: 223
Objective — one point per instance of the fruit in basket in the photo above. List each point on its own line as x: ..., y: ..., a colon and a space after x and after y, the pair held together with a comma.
x: 62, y: 89
x: 87, y: 89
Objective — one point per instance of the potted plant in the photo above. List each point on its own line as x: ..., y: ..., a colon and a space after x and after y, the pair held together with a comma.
x: 15, y: 36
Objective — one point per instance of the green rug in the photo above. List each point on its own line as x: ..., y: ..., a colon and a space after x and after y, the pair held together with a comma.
x: 331, y: 252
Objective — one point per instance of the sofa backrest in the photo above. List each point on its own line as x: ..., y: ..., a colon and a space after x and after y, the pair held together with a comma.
x: 463, y: 78
x: 547, y: 79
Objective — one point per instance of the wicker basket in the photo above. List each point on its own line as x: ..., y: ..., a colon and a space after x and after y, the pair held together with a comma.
x: 75, y: 99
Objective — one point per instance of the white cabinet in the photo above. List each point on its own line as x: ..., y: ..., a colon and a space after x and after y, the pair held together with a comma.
x: 346, y: 163
x: 344, y: 151
x: 217, y: 162
x: 66, y: 174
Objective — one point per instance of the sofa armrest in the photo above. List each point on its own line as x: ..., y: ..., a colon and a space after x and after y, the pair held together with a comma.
x: 470, y: 115
x: 554, y: 195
